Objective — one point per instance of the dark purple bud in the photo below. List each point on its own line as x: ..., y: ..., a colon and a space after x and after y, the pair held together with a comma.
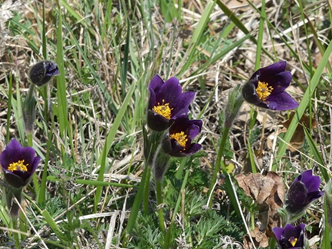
x: 18, y: 164
x: 290, y: 237
x: 167, y: 102
x: 42, y: 72
x: 266, y: 88
x: 303, y: 191
x: 178, y: 141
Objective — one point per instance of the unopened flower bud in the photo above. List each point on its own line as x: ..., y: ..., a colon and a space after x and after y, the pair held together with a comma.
x: 42, y: 72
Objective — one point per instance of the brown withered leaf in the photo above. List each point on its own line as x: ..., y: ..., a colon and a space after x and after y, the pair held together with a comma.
x: 298, y: 136
x: 259, y: 238
x: 268, y: 192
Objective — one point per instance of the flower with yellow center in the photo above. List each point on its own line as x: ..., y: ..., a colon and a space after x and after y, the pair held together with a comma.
x: 163, y: 109
x: 181, y: 138
x: 19, y: 165
x: 263, y: 90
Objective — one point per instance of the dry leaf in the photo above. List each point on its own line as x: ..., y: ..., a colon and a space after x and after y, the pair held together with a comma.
x: 259, y: 238
x: 268, y: 192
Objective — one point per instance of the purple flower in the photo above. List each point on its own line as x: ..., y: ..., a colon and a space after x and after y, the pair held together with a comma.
x: 42, y: 72
x: 167, y: 102
x: 177, y: 142
x: 303, y: 191
x: 290, y: 237
x: 266, y: 88
x: 18, y: 164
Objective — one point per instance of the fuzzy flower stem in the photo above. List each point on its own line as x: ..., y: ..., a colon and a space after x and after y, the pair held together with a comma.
x: 160, y: 164
x: 31, y: 91
x: 11, y: 194
x: 218, y: 161
x: 219, y: 164
x: 29, y: 113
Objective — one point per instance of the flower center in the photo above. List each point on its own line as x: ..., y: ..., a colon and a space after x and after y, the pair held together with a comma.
x: 163, y: 109
x: 263, y: 90
x: 181, y: 138
x: 18, y: 166
x: 293, y: 241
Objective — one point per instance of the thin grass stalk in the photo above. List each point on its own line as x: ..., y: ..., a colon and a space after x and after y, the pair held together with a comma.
x: 260, y: 36
x: 196, y: 38
x: 160, y: 205
x: 239, y: 24
x: 136, y: 206
x: 168, y: 241
x: 100, y: 177
x: 146, y: 192
x: 125, y: 62
x: 61, y: 83
x: 16, y: 235
x: 41, y: 197
x: 44, y: 90
x: 10, y: 96
x: 303, y: 105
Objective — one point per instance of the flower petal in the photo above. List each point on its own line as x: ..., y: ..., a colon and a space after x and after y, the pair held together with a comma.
x: 281, y: 102
x: 290, y: 231
x: 11, y: 153
x: 250, y: 95
x: 34, y: 164
x: 192, y: 149
x: 157, y: 122
x: 296, y: 197
x: 154, y: 87
x: 156, y: 83
x: 182, y: 104
x: 275, y: 68
x: 194, y: 129
x: 170, y: 91
x: 278, y: 231
x: 280, y: 81
x: 13, y: 180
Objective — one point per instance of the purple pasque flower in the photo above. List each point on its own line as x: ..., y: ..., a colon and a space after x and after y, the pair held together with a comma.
x: 167, y: 102
x: 42, y: 72
x: 18, y: 164
x: 290, y: 237
x: 303, y: 191
x: 177, y: 142
x: 266, y: 88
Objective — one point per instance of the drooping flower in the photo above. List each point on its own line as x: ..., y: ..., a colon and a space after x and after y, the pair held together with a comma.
x: 266, y: 88
x: 42, y: 72
x: 303, y: 191
x: 290, y: 237
x: 178, y: 141
x: 167, y: 102
x: 18, y: 164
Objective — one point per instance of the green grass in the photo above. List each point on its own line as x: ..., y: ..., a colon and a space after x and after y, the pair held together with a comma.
x: 93, y: 187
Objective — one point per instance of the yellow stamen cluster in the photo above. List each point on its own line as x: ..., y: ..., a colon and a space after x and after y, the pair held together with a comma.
x: 263, y: 90
x: 181, y: 138
x: 18, y: 166
x: 163, y: 109
x: 293, y: 241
